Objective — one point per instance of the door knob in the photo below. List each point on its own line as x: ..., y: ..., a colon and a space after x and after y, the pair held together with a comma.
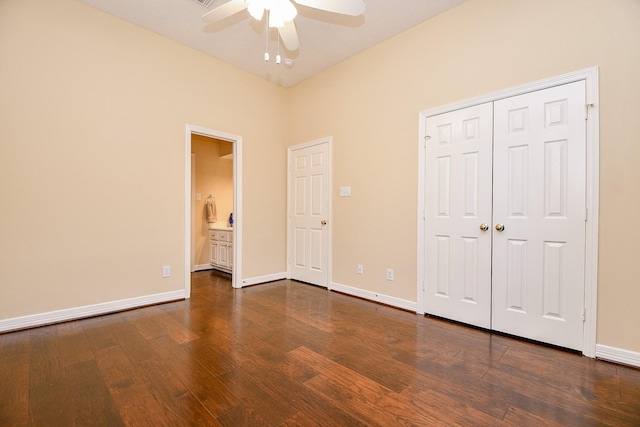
x: 500, y: 227
x: 323, y: 222
x: 484, y: 227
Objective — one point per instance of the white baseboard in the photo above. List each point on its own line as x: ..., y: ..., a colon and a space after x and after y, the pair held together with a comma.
x: 201, y: 267
x: 372, y: 296
x: 618, y: 355
x: 87, y: 311
x: 263, y: 279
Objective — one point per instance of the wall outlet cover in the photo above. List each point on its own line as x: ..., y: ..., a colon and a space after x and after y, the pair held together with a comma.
x: 166, y: 271
x: 390, y: 274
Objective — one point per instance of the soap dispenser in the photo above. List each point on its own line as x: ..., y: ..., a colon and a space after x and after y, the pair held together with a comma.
x: 231, y: 219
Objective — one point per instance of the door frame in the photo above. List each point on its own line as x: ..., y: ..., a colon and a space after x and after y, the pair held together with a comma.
x: 193, y: 210
x: 325, y: 140
x: 592, y: 112
x: 236, y: 141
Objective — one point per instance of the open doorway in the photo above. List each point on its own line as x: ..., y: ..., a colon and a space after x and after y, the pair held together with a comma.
x: 212, y: 202
x: 212, y: 178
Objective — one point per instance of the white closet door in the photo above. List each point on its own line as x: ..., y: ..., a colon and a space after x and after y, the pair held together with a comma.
x: 539, y: 198
x: 458, y: 202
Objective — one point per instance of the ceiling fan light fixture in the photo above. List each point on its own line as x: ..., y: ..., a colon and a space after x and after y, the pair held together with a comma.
x: 280, y: 14
x: 256, y: 9
x: 280, y: 11
x: 275, y: 20
x: 285, y: 9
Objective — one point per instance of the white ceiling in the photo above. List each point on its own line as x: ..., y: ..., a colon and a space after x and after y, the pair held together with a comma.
x: 325, y: 38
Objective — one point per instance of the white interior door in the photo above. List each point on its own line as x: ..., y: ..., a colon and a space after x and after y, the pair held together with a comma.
x: 519, y: 166
x: 458, y: 203
x: 309, y: 192
x: 539, y: 198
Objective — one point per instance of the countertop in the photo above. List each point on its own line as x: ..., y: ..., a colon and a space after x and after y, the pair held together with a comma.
x: 221, y: 226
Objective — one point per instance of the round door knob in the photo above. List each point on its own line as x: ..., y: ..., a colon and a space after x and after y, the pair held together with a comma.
x: 500, y: 227
x: 323, y: 222
x: 484, y: 227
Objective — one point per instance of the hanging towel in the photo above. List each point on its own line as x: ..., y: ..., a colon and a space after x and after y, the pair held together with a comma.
x: 210, y: 207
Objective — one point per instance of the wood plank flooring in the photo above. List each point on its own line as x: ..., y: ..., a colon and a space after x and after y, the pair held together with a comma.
x: 290, y: 354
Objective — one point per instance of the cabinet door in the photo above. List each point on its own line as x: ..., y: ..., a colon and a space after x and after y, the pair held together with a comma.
x: 223, y: 254
x: 213, y: 252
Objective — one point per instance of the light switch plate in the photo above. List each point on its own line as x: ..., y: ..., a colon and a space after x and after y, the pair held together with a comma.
x: 345, y: 191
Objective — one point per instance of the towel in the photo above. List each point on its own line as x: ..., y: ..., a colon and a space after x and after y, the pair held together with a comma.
x: 210, y: 206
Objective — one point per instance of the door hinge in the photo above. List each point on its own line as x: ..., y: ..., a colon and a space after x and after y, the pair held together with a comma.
x: 584, y: 314
x: 586, y: 110
x: 586, y: 214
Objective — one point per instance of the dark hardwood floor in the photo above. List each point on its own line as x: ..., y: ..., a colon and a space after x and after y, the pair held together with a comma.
x: 290, y: 354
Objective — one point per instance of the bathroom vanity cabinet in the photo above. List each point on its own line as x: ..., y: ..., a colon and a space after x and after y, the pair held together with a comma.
x: 221, y: 249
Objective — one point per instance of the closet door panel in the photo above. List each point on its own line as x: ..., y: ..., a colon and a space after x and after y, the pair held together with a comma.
x: 539, y: 198
x: 458, y: 201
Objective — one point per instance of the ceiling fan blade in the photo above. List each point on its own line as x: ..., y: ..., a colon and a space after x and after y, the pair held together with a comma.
x: 225, y: 10
x: 289, y: 35
x: 344, y: 7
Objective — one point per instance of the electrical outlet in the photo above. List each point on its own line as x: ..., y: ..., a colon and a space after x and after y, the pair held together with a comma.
x: 360, y: 269
x: 389, y: 273
x: 166, y: 271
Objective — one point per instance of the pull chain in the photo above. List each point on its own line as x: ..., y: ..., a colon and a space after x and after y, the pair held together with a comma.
x: 266, y: 38
x: 278, y: 57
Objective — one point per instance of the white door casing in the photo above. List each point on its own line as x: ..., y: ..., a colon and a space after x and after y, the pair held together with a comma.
x: 309, y: 191
x: 539, y: 198
x: 193, y: 212
x: 458, y: 202
x: 236, y: 256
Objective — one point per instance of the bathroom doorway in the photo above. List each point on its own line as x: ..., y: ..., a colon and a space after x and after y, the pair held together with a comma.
x: 212, y: 203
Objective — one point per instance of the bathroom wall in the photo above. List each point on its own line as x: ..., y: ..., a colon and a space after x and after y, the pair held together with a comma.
x: 214, y: 175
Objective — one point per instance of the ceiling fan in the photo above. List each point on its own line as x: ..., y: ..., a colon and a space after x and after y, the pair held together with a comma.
x: 280, y: 13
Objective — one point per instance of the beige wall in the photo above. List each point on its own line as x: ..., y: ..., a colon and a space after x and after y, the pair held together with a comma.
x: 92, y: 156
x: 213, y: 176
x: 370, y: 105
x: 92, y: 125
